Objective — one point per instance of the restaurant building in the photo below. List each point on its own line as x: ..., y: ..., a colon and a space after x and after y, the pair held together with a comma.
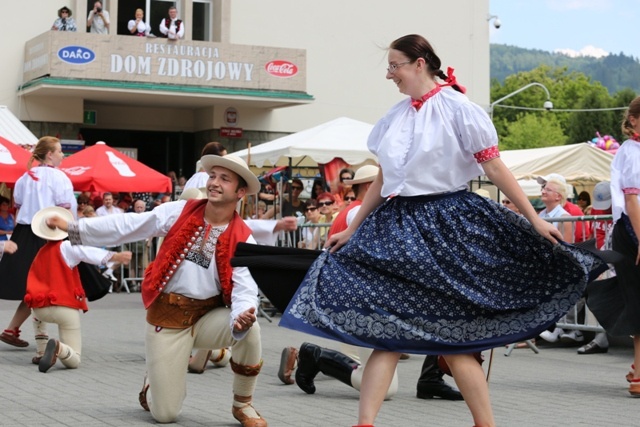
x: 246, y: 71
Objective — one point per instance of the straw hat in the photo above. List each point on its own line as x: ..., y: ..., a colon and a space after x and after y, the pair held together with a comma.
x: 366, y: 173
x: 234, y: 164
x: 41, y: 229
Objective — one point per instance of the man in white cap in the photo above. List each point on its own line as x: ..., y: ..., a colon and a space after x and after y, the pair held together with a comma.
x: 583, y: 228
x: 194, y: 297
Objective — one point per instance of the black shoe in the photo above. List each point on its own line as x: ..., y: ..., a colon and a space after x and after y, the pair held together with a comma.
x: 50, y: 355
x: 438, y: 389
x: 592, y: 348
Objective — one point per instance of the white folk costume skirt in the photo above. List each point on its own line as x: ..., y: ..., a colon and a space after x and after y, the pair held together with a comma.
x: 14, y: 269
x: 442, y: 274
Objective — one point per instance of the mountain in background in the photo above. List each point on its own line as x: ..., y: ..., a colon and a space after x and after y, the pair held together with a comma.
x: 615, y: 72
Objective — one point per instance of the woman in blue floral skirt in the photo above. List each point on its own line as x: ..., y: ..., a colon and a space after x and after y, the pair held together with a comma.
x: 427, y: 266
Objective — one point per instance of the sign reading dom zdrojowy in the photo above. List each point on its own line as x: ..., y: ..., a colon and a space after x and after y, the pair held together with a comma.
x: 147, y: 60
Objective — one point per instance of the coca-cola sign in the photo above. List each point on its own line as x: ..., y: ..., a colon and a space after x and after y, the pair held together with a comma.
x: 281, y: 68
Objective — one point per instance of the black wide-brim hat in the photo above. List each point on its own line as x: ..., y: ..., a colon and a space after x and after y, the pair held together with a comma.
x: 64, y: 8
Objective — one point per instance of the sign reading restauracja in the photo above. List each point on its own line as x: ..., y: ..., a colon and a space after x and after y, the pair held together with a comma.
x: 156, y: 60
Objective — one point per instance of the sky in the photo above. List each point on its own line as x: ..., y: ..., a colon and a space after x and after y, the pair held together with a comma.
x: 575, y: 27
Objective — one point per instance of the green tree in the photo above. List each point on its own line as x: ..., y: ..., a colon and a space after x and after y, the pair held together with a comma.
x: 533, y: 131
x: 568, y: 90
x: 583, y: 125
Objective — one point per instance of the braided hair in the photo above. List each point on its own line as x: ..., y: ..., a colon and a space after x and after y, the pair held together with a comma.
x: 415, y: 46
x: 45, y: 145
x: 632, y: 111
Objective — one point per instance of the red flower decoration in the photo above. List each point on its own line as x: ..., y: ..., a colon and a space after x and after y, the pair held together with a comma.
x: 39, y: 299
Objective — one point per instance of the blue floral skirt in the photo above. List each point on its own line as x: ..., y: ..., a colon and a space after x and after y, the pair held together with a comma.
x: 443, y: 274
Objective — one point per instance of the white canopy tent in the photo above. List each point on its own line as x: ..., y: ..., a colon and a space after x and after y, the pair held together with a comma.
x: 582, y: 165
x: 343, y: 137
x: 12, y: 129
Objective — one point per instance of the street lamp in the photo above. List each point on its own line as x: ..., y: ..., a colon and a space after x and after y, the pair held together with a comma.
x: 548, y: 105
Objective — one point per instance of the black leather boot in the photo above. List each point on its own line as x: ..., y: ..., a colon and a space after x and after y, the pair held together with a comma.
x: 337, y: 365
x: 313, y: 359
x: 307, y: 370
x: 431, y: 384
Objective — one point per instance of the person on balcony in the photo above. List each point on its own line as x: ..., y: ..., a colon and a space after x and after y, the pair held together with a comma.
x: 172, y: 27
x: 137, y: 26
x: 64, y: 22
x: 98, y: 19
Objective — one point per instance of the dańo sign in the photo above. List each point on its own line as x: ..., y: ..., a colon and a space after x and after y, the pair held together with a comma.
x: 76, y: 54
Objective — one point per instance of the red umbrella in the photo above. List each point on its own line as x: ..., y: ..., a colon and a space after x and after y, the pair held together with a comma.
x: 13, y: 162
x: 101, y: 168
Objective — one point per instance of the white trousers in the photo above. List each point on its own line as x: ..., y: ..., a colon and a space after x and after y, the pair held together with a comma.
x: 168, y: 351
x: 68, y: 321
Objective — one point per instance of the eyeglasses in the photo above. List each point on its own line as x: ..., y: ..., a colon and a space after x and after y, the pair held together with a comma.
x: 297, y: 188
x: 393, y: 67
x: 548, y: 190
x: 325, y: 203
x: 310, y: 209
x: 342, y: 178
x: 506, y: 202
x: 350, y: 198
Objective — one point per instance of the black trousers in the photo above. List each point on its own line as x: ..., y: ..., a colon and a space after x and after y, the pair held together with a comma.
x: 430, y: 373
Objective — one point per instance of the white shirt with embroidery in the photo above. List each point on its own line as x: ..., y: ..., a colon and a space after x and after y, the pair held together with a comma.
x: 51, y: 188
x: 193, y: 277
x: 432, y: 150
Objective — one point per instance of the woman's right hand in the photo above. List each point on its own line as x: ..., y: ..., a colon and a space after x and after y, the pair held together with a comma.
x: 338, y: 240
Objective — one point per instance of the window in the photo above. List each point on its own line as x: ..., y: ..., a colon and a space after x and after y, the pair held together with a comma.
x: 202, y: 20
x: 127, y: 12
x: 159, y: 10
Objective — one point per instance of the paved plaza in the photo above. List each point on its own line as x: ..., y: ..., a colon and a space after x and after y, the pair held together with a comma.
x: 554, y: 388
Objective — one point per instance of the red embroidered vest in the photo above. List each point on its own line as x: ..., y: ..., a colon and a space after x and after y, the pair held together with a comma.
x: 52, y: 282
x: 176, y: 245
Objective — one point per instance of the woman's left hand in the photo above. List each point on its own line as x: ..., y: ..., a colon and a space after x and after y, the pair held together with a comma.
x: 547, y: 230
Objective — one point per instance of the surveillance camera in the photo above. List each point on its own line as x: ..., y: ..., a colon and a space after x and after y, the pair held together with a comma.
x: 548, y: 105
x: 497, y: 23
